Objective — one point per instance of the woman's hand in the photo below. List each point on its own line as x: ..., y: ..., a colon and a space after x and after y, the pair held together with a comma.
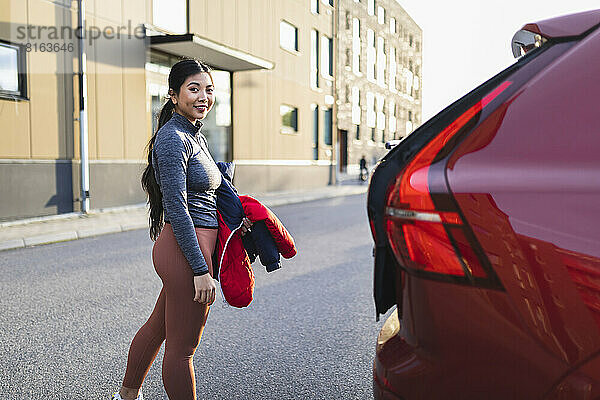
x: 205, y: 289
x: 247, y: 226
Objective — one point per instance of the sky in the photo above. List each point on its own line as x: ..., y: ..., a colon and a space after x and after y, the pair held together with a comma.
x: 466, y: 42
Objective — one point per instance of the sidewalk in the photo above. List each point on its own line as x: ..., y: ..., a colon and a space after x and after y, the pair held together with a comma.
x: 72, y: 226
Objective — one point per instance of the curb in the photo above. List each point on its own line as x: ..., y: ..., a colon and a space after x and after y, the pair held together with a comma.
x: 69, y: 235
x: 304, y: 199
x: 50, y: 238
x: 12, y: 244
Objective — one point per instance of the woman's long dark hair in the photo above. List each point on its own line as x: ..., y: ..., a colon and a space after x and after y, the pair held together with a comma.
x: 179, y: 73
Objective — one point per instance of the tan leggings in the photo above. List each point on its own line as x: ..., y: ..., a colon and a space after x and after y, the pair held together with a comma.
x: 176, y: 317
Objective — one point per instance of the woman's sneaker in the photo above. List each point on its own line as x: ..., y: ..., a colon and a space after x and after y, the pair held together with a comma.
x: 117, y: 396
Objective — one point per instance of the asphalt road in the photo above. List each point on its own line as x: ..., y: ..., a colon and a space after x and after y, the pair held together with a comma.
x: 70, y: 310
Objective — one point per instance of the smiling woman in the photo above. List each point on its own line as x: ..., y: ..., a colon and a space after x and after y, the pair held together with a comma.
x: 195, y: 97
x: 180, y: 179
x: 216, y: 126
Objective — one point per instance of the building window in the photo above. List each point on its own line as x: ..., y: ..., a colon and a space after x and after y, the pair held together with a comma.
x: 418, y: 46
x: 356, y: 111
x: 326, y: 56
x: 409, y: 127
x: 372, y: 134
x: 348, y: 57
x: 288, y: 36
x: 397, y: 112
x: 381, y: 15
x: 13, y: 82
x: 315, y: 139
x: 392, y: 113
x: 314, y: 59
x: 289, y: 118
x: 217, y: 127
x: 393, y: 68
x: 392, y: 25
x: 314, y: 6
x: 370, y: 110
x: 409, y: 80
x: 328, y: 126
x: 371, y: 7
x: 328, y: 2
x: 370, y: 55
x: 357, y: 132
x: 356, y: 45
x: 348, y: 20
x: 380, y: 112
x: 381, y: 61
x: 170, y: 15
x: 410, y: 40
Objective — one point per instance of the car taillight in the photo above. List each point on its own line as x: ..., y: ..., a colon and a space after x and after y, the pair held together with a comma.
x: 424, y: 226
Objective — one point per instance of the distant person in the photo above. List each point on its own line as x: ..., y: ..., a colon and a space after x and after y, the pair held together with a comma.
x: 182, y: 177
x: 364, y: 172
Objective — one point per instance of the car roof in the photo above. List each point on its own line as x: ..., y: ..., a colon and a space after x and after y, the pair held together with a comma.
x: 566, y: 25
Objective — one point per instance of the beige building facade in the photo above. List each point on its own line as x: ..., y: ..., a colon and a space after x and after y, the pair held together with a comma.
x: 304, y: 88
x: 263, y: 119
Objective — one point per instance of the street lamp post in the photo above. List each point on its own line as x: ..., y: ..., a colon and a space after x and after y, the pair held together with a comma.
x: 83, y: 121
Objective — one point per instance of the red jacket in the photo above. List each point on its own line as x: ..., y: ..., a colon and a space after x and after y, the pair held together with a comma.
x: 234, y: 271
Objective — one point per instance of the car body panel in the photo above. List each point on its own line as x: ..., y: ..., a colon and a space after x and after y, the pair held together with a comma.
x: 470, y: 342
x: 583, y: 383
x: 534, y: 207
x: 565, y: 26
x: 526, y: 179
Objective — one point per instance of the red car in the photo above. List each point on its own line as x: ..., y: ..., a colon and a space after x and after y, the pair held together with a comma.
x: 486, y: 222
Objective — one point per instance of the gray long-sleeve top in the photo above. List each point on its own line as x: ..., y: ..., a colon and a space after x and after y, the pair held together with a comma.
x: 188, y: 177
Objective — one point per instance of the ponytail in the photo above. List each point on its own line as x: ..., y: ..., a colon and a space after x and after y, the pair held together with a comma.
x: 149, y: 183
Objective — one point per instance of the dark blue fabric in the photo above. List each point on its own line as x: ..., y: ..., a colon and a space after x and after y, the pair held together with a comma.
x: 265, y: 246
x: 228, y: 202
x: 250, y: 247
x: 257, y: 242
x: 227, y: 169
